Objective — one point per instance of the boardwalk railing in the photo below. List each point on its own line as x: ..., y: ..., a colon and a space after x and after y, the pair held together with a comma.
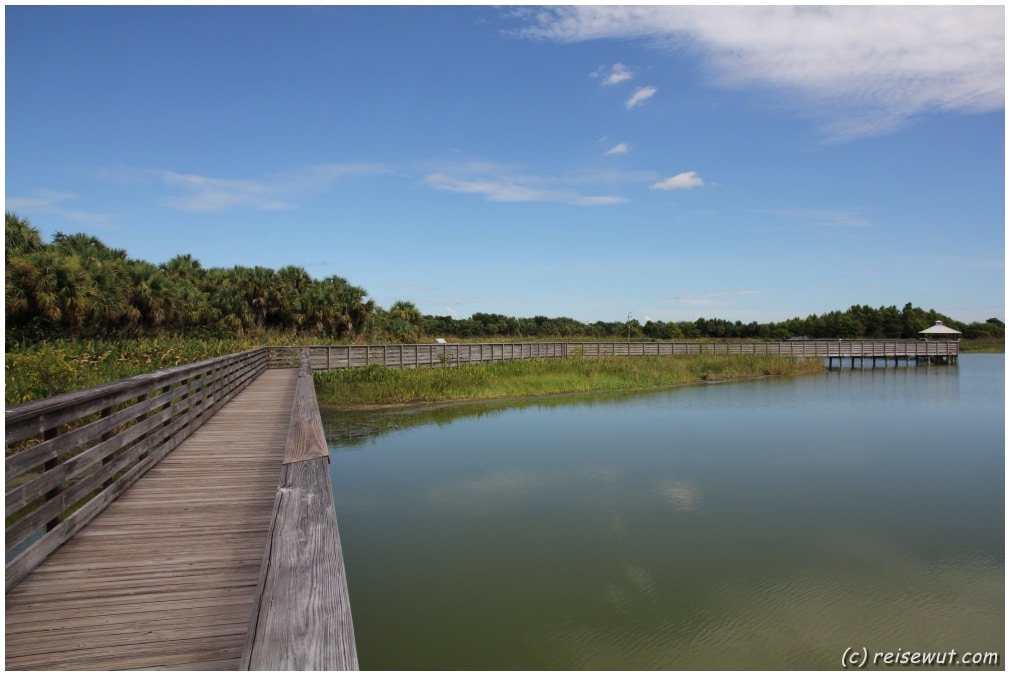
x: 327, y: 357
x: 302, y: 616
x: 73, y: 454
x: 881, y: 349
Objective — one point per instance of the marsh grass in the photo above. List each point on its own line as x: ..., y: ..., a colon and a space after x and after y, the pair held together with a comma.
x: 54, y: 367
x: 379, y: 385
x: 983, y: 345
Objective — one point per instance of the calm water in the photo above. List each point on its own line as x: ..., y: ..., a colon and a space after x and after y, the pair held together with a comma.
x: 766, y: 524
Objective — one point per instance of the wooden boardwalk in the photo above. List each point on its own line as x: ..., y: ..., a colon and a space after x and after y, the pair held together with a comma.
x: 166, y: 577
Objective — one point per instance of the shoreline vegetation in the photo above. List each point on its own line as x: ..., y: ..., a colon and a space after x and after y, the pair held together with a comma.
x: 53, y: 367
x: 80, y: 313
x: 379, y: 386
x: 76, y: 287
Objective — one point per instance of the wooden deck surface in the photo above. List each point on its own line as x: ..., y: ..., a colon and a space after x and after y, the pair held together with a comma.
x: 165, y: 577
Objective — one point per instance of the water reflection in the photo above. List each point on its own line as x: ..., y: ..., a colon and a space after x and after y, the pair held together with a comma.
x: 499, y: 484
x: 758, y: 525
x: 683, y: 495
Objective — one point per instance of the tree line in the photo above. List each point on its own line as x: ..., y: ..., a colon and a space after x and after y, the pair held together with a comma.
x: 77, y: 287
x: 859, y: 321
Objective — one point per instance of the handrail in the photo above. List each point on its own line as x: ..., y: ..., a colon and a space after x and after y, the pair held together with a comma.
x: 75, y: 453
x: 328, y: 357
x: 302, y: 613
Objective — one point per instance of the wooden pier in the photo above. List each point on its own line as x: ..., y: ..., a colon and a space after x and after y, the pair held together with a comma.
x: 184, y: 519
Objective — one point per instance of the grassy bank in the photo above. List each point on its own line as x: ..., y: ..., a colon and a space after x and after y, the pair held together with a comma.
x: 983, y: 345
x: 378, y: 385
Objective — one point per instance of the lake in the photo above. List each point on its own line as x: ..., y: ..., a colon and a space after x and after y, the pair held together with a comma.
x: 751, y: 525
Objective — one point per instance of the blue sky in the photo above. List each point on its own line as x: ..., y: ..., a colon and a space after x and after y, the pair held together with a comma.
x: 745, y: 163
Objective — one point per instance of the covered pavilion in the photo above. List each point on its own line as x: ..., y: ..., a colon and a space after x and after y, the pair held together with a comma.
x: 938, y: 330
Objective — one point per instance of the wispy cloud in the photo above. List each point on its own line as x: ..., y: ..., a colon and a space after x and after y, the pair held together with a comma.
x: 204, y: 193
x: 709, y: 298
x: 615, y: 74
x: 272, y: 192
x: 641, y: 95
x: 863, y: 69
x: 498, y: 188
x: 825, y: 217
x: 619, y: 149
x: 52, y: 202
x: 682, y: 181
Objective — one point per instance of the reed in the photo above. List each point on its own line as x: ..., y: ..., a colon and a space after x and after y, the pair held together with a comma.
x: 983, y: 345
x: 379, y: 385
x: 51, y: 368
x: 45, y: 369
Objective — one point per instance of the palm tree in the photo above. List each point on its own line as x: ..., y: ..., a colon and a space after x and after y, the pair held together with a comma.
x: 20, y: 238
x: 292, y: 283
x: 184, y: 267
x: 86, y: 247
x: 227, y: 302
x: 353, y: 310
x: 404, y: 322
x: 111, y: 309
x: 150, y: 294
x: 54, y: 287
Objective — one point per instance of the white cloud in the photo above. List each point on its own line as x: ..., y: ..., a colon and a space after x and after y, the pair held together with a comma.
x: 519, y: 189
x: 709, y: 298
x: 641, y: 95
x: 43, y: 199
x: 51, y: 202
x: 863, y: 69
x: 616, y: 74
x: 206, y: 194
x: 682, y: 181
x: 272, y: 192
x: 825, y: 217
x: 619, y: 149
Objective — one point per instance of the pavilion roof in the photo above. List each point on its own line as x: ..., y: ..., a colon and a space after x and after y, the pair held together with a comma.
x: 940, y: 328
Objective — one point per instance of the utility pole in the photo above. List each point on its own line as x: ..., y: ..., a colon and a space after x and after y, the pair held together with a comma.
x: 629, y: 325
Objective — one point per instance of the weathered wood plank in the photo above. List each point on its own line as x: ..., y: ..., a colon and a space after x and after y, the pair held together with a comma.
x: 302, y: 615
x: 184, y: 397
x: 303, y: 621
x: 167, y: 575
x: 306, y: 438
x: 22, y: 461
x: 150, y: 430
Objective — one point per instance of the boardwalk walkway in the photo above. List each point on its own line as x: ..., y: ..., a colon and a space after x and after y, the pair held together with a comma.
x: 166, y: 576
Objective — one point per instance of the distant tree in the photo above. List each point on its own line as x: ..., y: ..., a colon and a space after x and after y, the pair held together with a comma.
x: 404, y: 322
